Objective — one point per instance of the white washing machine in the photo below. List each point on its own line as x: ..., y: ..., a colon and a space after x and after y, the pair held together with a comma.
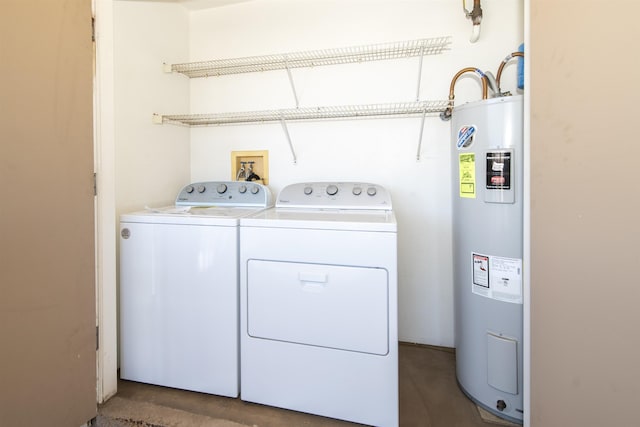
x: 179, y: 291
x: 318, y: 303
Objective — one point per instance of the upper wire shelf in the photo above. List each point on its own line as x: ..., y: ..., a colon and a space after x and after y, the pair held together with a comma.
x: 376, y: 52
x: 307, y: 113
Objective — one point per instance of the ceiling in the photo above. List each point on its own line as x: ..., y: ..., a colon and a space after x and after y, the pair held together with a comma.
x: 205, y: 4
x: 198, y: 4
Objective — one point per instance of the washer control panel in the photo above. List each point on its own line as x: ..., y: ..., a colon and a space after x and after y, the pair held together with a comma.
x: 225, y: 193
x: 335, y: 195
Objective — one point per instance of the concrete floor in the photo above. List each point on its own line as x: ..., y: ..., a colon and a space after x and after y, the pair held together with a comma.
x: 429, y: 397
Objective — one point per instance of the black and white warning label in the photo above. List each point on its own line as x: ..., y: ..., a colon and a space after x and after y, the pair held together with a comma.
x: 499, y: 170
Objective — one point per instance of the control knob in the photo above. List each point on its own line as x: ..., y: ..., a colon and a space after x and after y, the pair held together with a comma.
x: 372, y: 191
x: 332, y: 190
x: 221, y: 188
x: 242, y: 189
x: 189, y: 189
x: 308, y: 190
x: 255, y: 189
x: 201, y: 188
x: 357, y: 191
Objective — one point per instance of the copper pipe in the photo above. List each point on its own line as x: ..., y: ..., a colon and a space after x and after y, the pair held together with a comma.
x: 503, y: 63
x: 449, y: 110
x: 476, y: 18
x: 476, y: 13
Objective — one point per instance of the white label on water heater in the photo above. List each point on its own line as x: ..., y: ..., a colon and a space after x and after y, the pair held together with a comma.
x: 481, y: 270
x: 497, y: 278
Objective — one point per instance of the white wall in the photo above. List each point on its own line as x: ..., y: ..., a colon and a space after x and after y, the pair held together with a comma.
x: 380, y: 151
x: 152, y: 161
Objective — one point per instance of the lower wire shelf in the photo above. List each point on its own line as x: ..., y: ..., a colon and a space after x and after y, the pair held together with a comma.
x: 307, y: 113
x: 397, y: 109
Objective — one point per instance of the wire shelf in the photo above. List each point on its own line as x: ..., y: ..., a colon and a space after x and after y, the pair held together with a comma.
x: 309, y: 113
x: 314, y: 58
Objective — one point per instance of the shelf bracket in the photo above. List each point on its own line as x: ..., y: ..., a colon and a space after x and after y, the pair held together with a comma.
x: 419, y: 72
x: 293, y: 86
x: 424, y: 114
x: 286, y: 133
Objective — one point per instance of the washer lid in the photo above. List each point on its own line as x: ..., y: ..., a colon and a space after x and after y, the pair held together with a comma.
x: 335, y: 195
x: 194, y: 215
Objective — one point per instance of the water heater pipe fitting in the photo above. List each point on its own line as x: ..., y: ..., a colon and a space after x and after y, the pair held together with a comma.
x: 503, y: 63
x: 446, y: 115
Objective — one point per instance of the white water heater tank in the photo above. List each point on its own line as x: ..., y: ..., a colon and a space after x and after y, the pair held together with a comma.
x: 487, y: 160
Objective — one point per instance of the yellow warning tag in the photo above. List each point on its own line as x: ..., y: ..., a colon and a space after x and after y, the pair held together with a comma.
x: 468, y: 175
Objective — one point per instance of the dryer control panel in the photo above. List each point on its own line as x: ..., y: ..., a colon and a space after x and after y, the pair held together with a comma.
x: 334, y: 195
x: 225, y: 193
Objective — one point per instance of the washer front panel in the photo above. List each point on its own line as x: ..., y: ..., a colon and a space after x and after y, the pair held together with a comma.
x: 179, y: 288
x: 178, y: 306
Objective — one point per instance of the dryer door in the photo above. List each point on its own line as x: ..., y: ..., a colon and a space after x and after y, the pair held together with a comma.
x: 332, y: 306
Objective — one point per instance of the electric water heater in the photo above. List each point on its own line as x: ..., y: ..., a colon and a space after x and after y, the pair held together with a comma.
x: 487, y: 160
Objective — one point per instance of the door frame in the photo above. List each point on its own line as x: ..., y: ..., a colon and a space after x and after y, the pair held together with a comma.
x: 105, y: 209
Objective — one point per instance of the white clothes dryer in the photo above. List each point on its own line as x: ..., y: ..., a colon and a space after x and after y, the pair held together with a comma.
x: 179, y: 290
x: 318, y: 302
